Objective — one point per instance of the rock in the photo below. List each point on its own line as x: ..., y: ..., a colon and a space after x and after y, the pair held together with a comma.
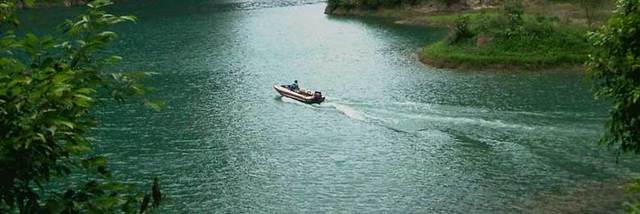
x: 329, y: 9
x: 483, y: 40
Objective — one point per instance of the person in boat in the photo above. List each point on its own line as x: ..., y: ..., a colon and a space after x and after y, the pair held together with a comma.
x: 294, y: 86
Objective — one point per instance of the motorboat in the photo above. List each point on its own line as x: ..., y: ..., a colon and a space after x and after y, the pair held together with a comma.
x: 302, y: 95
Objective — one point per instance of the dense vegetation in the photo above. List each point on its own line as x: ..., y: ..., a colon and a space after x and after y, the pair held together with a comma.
x: 614, y: 68
x: 48, y: 85
x: 509, y: 38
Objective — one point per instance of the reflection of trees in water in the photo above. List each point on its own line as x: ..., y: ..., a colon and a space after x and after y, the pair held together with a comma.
x: 169, y: 7
x: 421, y: 35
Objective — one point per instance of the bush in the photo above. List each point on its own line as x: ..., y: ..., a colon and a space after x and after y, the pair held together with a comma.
x: 614, y: 66
x: 460, y: 31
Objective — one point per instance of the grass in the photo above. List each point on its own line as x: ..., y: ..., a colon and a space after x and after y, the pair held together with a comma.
x: 449, y: 19
x: 539, y: 43
x: 469, y: 56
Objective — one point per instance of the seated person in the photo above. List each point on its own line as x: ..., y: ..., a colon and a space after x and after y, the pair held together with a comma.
x: 294, y: 86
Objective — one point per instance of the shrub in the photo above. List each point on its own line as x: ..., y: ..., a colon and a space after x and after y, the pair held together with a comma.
x: 460, y: 31
x: 614, y: 66
x: 513, y: 11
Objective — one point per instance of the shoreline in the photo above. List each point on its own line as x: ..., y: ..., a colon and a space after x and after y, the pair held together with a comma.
x: 445, y: 64
x: 430, y: 16
x: 403, y: 16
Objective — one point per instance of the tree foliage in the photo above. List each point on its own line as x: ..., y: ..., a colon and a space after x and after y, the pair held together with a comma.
x: 614, y: 66
x: 514, y: 12
x: 460, y: 30
x: 47, y: 88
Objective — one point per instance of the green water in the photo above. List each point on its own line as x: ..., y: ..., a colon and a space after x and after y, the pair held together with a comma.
x: 393, y: 136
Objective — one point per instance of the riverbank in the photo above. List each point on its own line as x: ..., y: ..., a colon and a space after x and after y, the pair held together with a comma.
x: 468, y: 58
x: 508, y: 39
x: 529, y: 36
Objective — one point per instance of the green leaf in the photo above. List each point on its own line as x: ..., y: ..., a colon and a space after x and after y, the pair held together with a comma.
x: 83, y: 100
x: 129, y: 18
x: 41, y: 137
x: 78, y: 149
x: 86, y: 90
x: 156, y: 105
x: 109, y: 34
x: 64, y: 123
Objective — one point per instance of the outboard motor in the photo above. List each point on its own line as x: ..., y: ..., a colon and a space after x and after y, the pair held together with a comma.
x: 317, y: 95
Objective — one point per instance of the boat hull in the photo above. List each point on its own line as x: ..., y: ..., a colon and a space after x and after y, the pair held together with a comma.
x: 285, y: 92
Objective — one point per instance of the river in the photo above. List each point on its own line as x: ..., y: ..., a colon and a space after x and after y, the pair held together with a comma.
x: 393, y: 135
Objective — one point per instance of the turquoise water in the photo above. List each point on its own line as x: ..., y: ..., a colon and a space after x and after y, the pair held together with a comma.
x: 393, y: 136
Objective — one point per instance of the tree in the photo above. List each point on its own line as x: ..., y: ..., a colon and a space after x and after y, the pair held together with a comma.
x: 48, y: 86
x: 614, y: 67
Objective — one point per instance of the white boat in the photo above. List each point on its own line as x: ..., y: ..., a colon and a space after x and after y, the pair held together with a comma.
x: 301, y: 95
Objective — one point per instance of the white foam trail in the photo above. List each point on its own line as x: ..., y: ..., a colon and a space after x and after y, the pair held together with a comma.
x: 466, y: 120
x: 364, y: 117
x: 350, y: 112
x: 330, y: 103
x: 429, y: 113
x: 289, y: 100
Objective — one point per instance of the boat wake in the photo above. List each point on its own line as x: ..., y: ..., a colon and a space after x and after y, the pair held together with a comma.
x: 349, y: 111
x: 413, y: 118
x: 333, y: 104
